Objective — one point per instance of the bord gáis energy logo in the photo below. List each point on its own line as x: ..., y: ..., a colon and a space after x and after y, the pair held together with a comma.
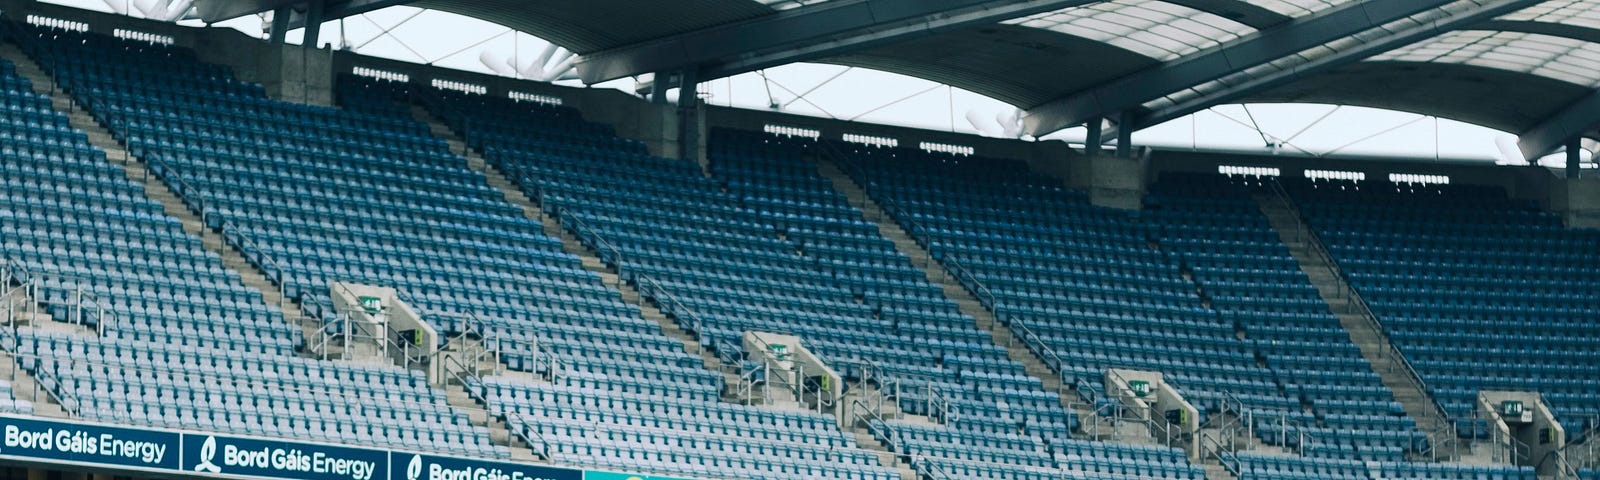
x: 208, y: 452
x: 414, y: 469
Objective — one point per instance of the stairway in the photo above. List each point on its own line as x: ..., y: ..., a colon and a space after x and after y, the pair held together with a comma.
x: 1215, y: 471
x: 1353, y: 315
x: 570, y: 242
x: 156, y: 189
x: 936, y: 272
x: 886, y: 458
x: 478, y: 415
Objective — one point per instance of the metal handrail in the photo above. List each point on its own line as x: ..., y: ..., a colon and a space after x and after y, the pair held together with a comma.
x: 187, y: 191
x: 1564, y: 469
x: 60, y: 395
x: 1225, y: 454
x: 686, y: 315
x: 585, y: 232
x: 266, y: 261
x: 60, y: 362
x: 651, y: 288
x: 972, y: 282
x: 325, y: 335
x: 77, y: 295
x: 1157, y: 425
x: 544, y: 445
x: 796, y: 386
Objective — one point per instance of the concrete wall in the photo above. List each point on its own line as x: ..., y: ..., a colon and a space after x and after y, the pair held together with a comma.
x: 1578, y: 200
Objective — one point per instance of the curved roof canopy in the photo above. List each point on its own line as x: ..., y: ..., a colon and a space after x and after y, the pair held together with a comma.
x: 1524, y: 66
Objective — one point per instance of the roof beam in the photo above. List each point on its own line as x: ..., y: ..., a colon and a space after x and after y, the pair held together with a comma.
x: 1392, y: 41
x: 802, y: 34
x: 1257, y: 17
x: 1574, y: 32
x: 1263, y: 47
x: 1578, y: 119
x: 213, y: 11
x: 337, y: 9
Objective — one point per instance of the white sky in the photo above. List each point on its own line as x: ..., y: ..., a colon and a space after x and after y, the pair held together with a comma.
x: 454, y: 41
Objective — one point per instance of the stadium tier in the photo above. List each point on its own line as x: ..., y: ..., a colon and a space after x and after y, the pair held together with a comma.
x: 1479, y: 292
x: 152, y: 327
x: 1215, y: 231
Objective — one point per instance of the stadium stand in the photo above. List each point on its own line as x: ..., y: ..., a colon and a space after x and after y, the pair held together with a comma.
x: 865, y: 302
x: 1478, y: 291
x: 1216, y: 232
x: 1197, y: 286
x: 75, y: 221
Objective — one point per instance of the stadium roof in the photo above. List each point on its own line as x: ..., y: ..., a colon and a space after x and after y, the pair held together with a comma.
x: 1523, y: 66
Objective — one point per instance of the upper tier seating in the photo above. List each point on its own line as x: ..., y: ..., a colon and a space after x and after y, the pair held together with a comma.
x: 185, y: 343
x: 1215, y: 231
x: 1478, y: 291
x: 656, y: 398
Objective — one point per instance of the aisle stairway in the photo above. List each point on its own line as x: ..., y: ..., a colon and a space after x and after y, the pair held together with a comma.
x: 1354, y: 316
x: 938, y: 273
x: 569, y: 241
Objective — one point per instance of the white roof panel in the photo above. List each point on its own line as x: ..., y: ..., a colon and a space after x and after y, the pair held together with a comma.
x: 1560, y: 58
x: 1159, y: 30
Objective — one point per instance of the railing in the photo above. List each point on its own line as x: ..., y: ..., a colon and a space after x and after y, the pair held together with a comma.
x: 795, y: 385
x: 869, y: 372
x: 85, y: 307
x: 589, y: 235
x: 331, y: 330
x: 648, y: 286
x: 231, y: 233
x: 1225, y: 453
x: 1034, y: 342
x: 1443, y: 427
x: 971, y: 281
x: 478, y: 343
x: 188, y: 194
x: 1302, y: 439
x: 67, y: 399
x: 529, y: 435
x: 49, y: 371
x: 1558, y: 459
x: 1161, y: 430
x: 677, y: 309
x: 195, y: 199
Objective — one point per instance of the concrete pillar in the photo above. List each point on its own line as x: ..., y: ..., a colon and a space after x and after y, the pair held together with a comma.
x: 1574, y: 156
x: 1125, y: 134
x: 1092, y: 141
x: 689, y: 119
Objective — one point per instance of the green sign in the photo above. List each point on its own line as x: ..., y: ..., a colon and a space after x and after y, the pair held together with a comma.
x: 371, y: 304
x: 1139, y: 387
x: 598, y: 475
x: 1511, y: 408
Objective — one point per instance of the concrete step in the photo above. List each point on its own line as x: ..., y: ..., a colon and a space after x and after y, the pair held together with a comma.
x: 25, y: 387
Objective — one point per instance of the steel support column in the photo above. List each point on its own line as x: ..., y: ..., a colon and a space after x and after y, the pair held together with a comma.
x: 1574, y: 156
x: 280, y: 24
x: 1092, y: 141
x: 313, y: 24
x: 1125, y: 134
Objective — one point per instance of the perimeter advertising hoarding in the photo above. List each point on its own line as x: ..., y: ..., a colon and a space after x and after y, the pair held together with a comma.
x: 90, y: 445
